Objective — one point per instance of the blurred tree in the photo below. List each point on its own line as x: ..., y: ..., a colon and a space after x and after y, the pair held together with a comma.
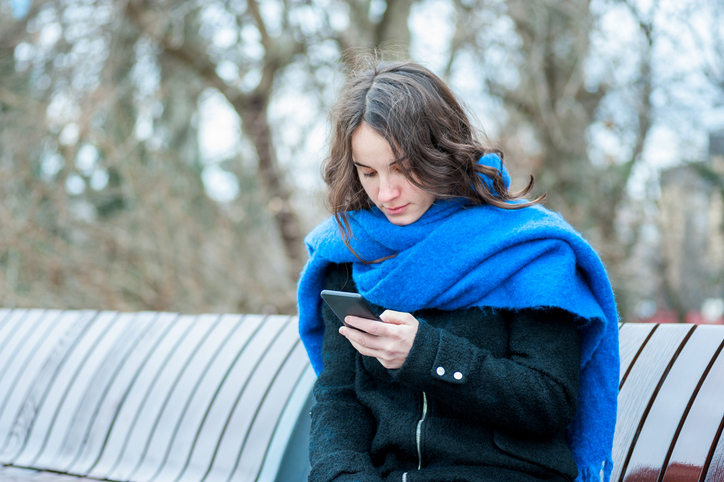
x: 111, y: 198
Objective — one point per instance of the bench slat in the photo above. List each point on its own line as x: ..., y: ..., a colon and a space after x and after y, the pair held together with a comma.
x: 644, y: 376
x: 82, y: 439
x: 192, y: 369
x: 632, y: 337
x: 716, y: 467
x: 251, y: 458
x: 114, y: 420
x: 668, y: 409
x: 34, y: 420
x: 148, y: 409
x: 192, y: 413
x: 221, y: 407
x: 235, y: 437
x: 22, y: 368
x: 73, y: 418
x: 173, y: 410
x: 56, y: 414
x: 698, y: 434
x: 27, y: 332
x: 8, y: 330
x: 288, y: 455
x: 37, y: 372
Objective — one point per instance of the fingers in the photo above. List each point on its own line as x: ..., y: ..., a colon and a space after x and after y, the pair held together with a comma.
x: 398, y: 318
x: 373, y: 327
x: 389, y: 342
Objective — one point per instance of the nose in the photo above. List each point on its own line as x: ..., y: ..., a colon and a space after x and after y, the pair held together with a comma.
x: 389, y: 189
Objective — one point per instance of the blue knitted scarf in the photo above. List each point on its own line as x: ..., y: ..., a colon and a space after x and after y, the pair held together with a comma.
x: 457, y: 256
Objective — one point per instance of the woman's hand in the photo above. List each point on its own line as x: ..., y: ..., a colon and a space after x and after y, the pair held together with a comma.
x: 390, y: 342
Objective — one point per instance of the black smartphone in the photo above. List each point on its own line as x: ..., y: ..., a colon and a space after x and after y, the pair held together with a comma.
x: 349, y: 304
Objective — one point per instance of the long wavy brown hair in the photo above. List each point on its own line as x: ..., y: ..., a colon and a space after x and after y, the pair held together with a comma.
x: 436, y: 147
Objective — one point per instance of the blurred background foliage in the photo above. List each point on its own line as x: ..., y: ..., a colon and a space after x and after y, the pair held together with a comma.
x: 164, y: 155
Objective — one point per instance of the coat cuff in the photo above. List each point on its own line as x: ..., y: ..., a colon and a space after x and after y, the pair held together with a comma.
x: 436, y: 356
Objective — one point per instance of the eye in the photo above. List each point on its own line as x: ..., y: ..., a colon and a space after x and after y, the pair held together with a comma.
x: 369, y: 174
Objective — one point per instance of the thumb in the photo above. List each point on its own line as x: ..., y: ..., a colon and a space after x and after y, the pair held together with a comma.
x: 397, y: 317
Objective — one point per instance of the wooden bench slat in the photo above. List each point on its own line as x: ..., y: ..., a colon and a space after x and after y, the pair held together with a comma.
x: 632, y: 337
x: 33, y: 421
x: 196, y: 405
x: 81, y: 437
x: 166, y: 428
x: 16, y: 474
x: 235, y: 436
x: 251, y: 458
x: 288, y: 454
x: 644, y: 377
x: 8, y: 330
x: 21, y: 365
x: 27, y: 332
x: 115, y: 417
x: 56, y: 413
x: 668, y: 409
x: 4, y: 314
x: 716, y: 466
x: 148, y: 410
x: 697, y: 438
x: 74, y: 417
x: 257, y: 336
x: 38, y: 372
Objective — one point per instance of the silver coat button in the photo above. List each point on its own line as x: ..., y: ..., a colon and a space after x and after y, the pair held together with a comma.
x: 458, y: 376
x: 440, y: 371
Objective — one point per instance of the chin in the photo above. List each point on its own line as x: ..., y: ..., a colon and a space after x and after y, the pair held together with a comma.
x: 402, y: 221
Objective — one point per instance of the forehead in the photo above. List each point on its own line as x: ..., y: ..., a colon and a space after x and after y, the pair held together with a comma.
x: 369, y: 146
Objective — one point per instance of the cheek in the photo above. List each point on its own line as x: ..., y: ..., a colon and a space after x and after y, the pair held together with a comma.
x: 367, y: 184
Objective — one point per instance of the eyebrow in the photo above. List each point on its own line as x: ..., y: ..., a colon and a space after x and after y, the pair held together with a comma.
x: 368, y: 167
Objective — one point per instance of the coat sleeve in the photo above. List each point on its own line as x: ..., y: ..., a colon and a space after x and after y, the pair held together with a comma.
x: 342, y: 428
x: 532, y: 391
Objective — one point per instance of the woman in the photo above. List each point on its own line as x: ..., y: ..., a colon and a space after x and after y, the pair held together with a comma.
x: 498, y: 358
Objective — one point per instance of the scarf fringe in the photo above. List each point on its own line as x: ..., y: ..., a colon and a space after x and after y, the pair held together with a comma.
x: 596, y: 474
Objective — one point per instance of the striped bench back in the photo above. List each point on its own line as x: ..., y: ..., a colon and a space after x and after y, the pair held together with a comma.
x: 166, y: 397
x: 153, y: 396
x: 671, y: 404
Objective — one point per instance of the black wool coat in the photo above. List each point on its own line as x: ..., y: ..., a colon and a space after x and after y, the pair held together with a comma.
x: 484, y: 395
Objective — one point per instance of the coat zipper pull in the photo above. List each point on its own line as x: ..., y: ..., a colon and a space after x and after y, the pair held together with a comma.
x: 418, y: 432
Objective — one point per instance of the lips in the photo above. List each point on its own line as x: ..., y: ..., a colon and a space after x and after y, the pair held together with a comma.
x: 397, y: 210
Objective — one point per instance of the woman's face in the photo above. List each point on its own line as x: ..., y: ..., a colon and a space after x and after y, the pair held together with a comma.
x: 401, y: 201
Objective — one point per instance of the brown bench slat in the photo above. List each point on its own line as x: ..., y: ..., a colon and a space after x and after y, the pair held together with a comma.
x: 716, y: 467
x: 644, y: 377
x: 697, y: 438
x: 632, y: 337
x: 657, y: 435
